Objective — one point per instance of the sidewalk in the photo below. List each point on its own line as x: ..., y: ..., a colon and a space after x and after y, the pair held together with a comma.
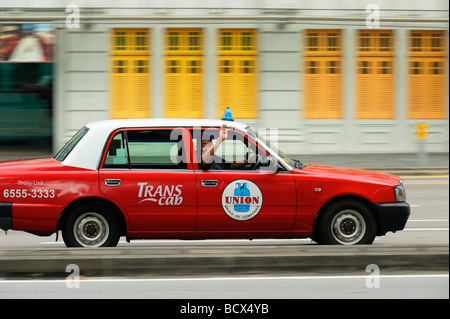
x: 376, y: 160
x: 393, y: 163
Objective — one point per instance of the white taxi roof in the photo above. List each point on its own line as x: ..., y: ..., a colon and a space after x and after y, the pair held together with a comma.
x: 163, y: 122
x: 87, y: 153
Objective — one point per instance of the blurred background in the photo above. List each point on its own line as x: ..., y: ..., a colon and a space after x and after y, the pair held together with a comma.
x: 334, y: 77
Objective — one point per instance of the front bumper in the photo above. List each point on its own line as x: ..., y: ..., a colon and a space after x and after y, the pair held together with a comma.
x: 5, y: 216
x: 392, y: 216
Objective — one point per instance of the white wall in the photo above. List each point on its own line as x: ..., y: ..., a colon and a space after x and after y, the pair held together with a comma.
x: 82, y: 72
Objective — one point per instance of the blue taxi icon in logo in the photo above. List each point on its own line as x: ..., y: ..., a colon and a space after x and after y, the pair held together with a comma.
x: 242, y: 192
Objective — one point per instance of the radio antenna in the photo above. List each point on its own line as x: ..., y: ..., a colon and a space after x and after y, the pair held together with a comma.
x: 213, y: 102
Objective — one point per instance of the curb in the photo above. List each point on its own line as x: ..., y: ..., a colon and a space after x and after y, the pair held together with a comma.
x: 220, y: 260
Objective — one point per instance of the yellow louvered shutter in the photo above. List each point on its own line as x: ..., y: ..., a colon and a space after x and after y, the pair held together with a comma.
x: 140, y: 86
x: 375, y: 93
x: 237, y: 85
x: 173, y: 86
x: 227, y: 84
x: 323, y: 87
x: 130, y: 76
x: 375, y: 88
x: 323, y: 80
x: 184, y: 73
x: 193, y: 86
x: 246, y: 87
x: 120, y: 86
x: 427, y: 75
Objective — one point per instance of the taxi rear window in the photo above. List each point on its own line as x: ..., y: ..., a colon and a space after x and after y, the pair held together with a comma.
x: 70, y: 145
x: 146, y: 149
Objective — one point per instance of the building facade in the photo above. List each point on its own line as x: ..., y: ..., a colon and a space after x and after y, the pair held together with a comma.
x: 331, y: 78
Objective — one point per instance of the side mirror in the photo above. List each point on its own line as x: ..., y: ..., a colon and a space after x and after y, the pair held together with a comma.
x: 269, y: 165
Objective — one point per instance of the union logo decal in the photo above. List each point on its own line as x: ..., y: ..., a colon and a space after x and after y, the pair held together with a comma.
x: 242, y: 199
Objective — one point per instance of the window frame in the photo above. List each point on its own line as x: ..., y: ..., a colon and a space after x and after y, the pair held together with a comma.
x: 184, y: 41
x: 237, y: 41
x: 135, y: 41
x: 323, y: 42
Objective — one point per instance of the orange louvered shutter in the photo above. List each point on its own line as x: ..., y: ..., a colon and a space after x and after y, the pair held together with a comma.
x: 323, y: 76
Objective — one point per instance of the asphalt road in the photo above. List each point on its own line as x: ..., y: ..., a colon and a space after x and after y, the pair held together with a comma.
x: 404, y: 286
x: 428, y: 225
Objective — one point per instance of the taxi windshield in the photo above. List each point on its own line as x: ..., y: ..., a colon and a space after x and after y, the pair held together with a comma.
x: 291, y: 162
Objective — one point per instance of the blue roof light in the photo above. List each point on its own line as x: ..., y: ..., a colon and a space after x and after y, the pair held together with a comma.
x: 227, y: 115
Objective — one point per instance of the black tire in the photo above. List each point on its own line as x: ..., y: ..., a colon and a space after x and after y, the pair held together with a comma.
x: 90, y: 226
x: 347, y: 222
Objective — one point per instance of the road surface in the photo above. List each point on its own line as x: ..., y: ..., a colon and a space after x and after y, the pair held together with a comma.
x: 428, y: 224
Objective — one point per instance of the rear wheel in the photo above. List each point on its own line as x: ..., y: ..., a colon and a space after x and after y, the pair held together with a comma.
x: 347, y: 223
x: 90, y: 226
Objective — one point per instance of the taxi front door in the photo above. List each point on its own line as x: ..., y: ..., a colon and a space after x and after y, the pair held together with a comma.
x: 245, y: 201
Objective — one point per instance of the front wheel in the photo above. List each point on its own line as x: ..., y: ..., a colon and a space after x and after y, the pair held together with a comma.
x: 90, y: 226
x: 348, y: 223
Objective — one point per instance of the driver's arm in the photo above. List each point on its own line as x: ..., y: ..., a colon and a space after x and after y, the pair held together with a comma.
x: 211, y: 149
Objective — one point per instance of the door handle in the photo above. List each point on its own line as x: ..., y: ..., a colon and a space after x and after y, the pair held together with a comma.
x: 112, y: 182
x: 209, y: 183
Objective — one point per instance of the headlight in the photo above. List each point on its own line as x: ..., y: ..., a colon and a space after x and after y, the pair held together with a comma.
x: 400, y: 194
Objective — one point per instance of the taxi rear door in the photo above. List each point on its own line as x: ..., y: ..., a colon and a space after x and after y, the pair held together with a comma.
x: 146, y: 171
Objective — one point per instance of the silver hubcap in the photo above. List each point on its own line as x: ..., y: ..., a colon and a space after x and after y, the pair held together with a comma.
x: 348, y: 227
x: 91, y: 229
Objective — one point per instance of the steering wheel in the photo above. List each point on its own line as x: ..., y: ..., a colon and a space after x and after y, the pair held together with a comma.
x: 256, y: 163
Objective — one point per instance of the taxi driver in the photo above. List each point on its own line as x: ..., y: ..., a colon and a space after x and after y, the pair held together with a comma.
x: 212, y: 161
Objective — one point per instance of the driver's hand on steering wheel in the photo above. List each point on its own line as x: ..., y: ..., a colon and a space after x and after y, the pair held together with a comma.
x: 254, y: 158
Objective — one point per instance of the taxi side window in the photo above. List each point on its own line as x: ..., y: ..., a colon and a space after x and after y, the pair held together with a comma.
x: 233, y: 149
x: 146, y: 149
x: 156, y: 149
x: 117, y: 155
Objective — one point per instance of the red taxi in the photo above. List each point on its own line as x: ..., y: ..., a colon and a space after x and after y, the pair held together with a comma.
x: 192, y: 179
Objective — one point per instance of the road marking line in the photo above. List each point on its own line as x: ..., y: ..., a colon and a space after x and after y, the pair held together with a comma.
x: 427, y: 176
x: 426, y: 229
x: 428, y: 220
x: 226, y: 278
x: 426, y: 183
